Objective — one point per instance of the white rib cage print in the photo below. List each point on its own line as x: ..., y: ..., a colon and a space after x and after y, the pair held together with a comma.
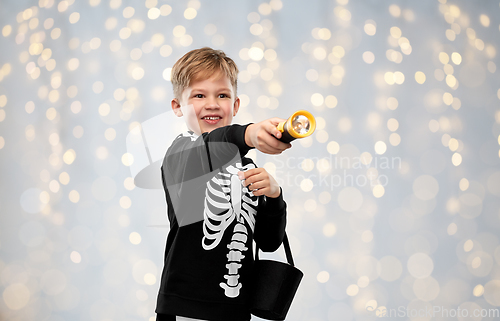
x: 226, y: 200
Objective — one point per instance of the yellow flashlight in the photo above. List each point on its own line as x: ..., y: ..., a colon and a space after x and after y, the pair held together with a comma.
x: 301, y: 124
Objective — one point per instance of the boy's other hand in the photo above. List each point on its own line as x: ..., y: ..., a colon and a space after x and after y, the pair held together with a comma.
x: 260, y: 182
x: 264, y: 136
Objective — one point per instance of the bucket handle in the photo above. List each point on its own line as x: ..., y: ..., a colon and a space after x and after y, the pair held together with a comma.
x: 288, y: 252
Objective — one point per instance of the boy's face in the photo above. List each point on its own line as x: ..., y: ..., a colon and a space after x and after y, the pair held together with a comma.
x: 207, y: 104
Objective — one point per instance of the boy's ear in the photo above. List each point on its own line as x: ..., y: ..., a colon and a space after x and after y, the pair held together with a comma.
x: 176, y: 107
x: 236, y: 106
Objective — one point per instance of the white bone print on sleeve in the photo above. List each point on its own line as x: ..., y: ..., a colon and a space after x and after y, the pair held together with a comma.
x: 226, y: 200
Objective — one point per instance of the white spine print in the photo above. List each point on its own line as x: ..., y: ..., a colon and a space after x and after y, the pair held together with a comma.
x: 235, y: 200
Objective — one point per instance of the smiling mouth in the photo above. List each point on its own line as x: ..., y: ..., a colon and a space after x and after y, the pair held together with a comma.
x: 212, y: 120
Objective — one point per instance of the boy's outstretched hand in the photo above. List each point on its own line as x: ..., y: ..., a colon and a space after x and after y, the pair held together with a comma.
x: 260, y: 182
x: 264, y: 136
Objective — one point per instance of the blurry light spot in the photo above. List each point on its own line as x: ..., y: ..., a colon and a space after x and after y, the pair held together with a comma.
x: 370, y: 27
x: 491, y: 290
x: 270, y: 55
x: 16, y: 296
x: 149, y: 279
x: 333, y: 147
x: 190, y: 13
x: 451, y: 81
x: 394, y: 139
x: 444, y: 58
x: 53, y: 282
x: 419, y: 77
x: 492, y: 67
x: 256, y: 53
x: 6, y: 30
x: 380, y: 147
x: 323, y: 277
x: 456, y: 159
x: 75, y: 257
x: 144, y: 272
x: 138, y: 73
x: 319, y: 53
x: 394, y: 10
x: 306, y: 185
x: 275, y: 89
x: 389, y: 78
x: 392, y: 124
x: 367, y: 236
x: 485, y: 20
x: 167, y: 74
x: 420, y: 265
x: 256, y: 29
x: 478, y: 290
x: 210, y: 29
x: 150, y: 3
x: 135, y: 238
x: 368, y: 57
x: 350, y: 199
x: 115, y: 45
x: 395, y: 32
x: 125, y: 32
x: 165, y: 50
x: 74, y: 17
x: 370, y: 305
x: 352, y: 290
x: 125, y: 202
x: 453, y: 206
x: 265, y: 9
x: 154, y: 13
x: 425, y: 187
x: 363, y: 282
x: 101, y: 152
x: 456, y: 58
x: 378, y: 191
x: 69, y: 156
x: 468, y: 245
x: 104, y: 109
x: 62, y: 6
x: 389, y: 268
x: 450, y: 34
x: 165, y: 10
x: 331, y: 101
x: 128, y: 12
x: 324, y: 198
x: 392, y: 103
x: 317, y: 99
x: 312, y: 75
x: 426, y: 289
x: 464, y: 184
x: 310, y: 205
x: 344, y: 124
x: 110, y: 23
x: 452, y: 229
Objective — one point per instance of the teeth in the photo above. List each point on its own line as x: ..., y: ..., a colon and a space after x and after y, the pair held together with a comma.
x: 212, y: 118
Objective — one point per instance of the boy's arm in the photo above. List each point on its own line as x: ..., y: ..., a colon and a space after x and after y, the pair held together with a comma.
x: 270, y: 223
x: 189, y: 157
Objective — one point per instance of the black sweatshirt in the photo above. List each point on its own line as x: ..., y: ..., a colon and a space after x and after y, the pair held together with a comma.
x: 213, y: 220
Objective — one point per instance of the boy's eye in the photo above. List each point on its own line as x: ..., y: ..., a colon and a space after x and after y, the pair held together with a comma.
x: 223, y: 96
x: 198, y: 96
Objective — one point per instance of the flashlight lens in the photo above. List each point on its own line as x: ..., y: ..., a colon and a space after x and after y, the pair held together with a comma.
x: 301, y: 124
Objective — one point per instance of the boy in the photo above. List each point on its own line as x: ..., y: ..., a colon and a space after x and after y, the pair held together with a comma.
x: 218, y: 200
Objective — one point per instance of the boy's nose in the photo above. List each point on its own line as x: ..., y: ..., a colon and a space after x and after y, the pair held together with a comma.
x: 212, y: 103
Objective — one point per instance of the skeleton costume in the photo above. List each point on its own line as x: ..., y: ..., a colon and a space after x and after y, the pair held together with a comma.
x: 213, y: 221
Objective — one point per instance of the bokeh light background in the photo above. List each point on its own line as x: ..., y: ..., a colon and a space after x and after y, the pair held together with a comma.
x: 394, y: 201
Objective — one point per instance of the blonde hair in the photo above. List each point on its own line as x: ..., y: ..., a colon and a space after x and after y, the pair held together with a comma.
x: 200, y: 64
